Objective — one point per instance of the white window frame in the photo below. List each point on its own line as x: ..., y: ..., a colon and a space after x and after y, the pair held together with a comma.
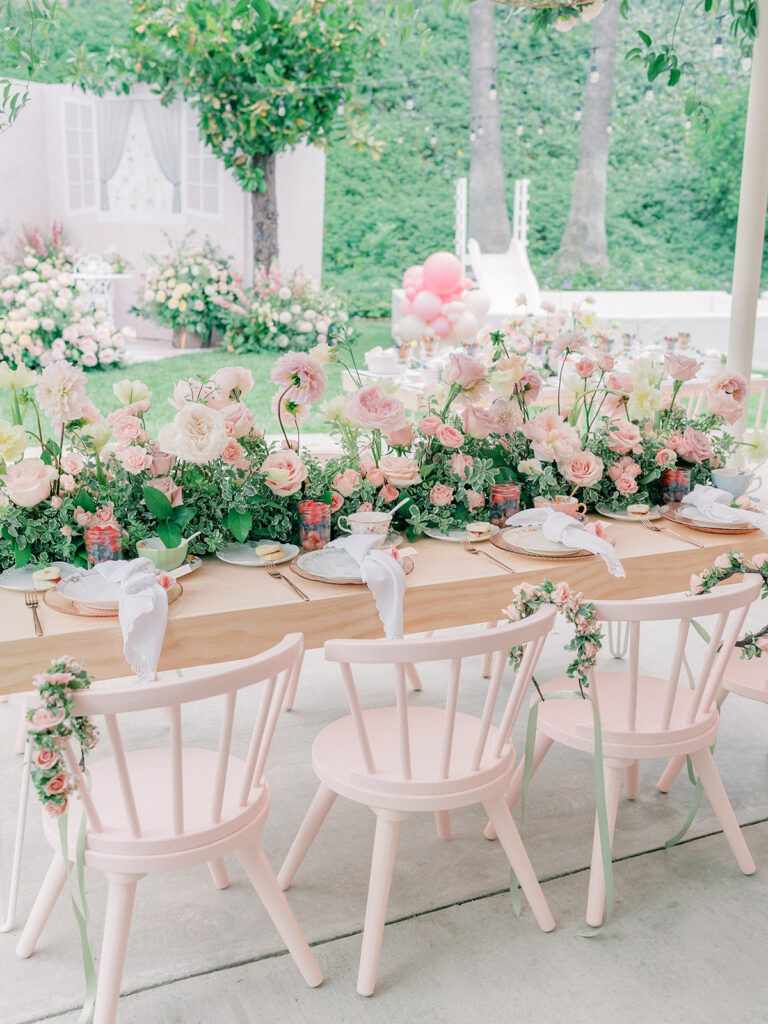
x: 190, y: 123
x: 79, y: 103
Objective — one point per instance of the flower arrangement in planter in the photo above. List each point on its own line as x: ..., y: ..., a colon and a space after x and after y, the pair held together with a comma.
x: 182, y: 289
x: 280, y: 312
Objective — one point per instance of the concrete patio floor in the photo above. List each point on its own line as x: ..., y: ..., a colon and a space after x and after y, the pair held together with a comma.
x: 686, y: 944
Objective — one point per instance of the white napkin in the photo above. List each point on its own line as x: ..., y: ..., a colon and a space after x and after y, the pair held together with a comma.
x: 557, y: 526
x: 715, y: 504
x: 143, y: 613
x: 384, y: 576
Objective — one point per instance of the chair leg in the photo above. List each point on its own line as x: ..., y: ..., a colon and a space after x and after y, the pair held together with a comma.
x: 515, y: 791
x: 443, y: 822
x: 413, y: 676
x: 120, y: 897
x: 670, y: 773
x: 314, y: 818
x: 707, y: 771
x: 293, y: 685
x: 518, y: 858
x: 596, y: 895
x: 218, y: 870
x: 262, y: 877
x: 53, y: 883
x: 21, y: 729
x: 632, y: 781
x: 382, y: 866
x: 487, y: 658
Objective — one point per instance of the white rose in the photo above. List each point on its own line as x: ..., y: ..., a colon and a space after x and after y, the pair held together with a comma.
x: 197, y: 434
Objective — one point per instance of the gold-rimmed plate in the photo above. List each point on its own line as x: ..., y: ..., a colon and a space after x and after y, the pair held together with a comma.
x: 60, y: 603
x: 674, y: 514
x: 530, y: 541
x: 333, y: 565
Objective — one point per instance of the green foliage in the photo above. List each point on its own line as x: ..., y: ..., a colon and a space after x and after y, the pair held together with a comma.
x: 24, y: 28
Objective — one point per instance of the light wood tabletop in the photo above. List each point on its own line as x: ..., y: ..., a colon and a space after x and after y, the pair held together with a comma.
x: 228, y: 612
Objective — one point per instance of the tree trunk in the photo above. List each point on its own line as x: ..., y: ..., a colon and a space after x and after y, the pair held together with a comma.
x: 264, y: 215
x: 488, y: 215
x: 584, y: 241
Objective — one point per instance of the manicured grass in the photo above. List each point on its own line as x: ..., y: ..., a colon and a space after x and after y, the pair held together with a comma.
x: 162, y: 375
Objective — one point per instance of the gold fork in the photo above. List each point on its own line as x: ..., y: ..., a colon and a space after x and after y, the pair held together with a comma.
x: 275, y: 573
x: 468, y: 546
x: 30, y: 599
x: 665, y: 529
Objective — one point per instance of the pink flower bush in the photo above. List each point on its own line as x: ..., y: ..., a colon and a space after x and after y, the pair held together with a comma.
x: 284, y: 472
x: 399, y: 470
x: 552, y: 438
x: 440, y: 495
x: 28, y: 482
x: 371, y: 408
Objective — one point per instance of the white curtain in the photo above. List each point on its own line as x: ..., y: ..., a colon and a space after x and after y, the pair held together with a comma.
x: 112, y: 117
x: 164, y: 131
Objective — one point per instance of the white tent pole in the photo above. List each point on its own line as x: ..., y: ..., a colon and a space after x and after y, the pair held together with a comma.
x: 750, y: 232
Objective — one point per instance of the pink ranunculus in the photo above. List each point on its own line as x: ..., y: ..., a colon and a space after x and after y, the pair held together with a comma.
x: 162, y: 462
x: 461, y: 464
x: 399, y: 470
x: 624, y: 437
x: 375, y: 476
x: 441, y: 495
x: 626, y: 485
x: 584, y: 469
x: 474, y: 499
x: 60, y: 392
x: 428, y: 425
x: 373, y: 409
x: 347, y: 482
x: 284, y: 472
x: 552, y: 438
x: 403, y: 436
x: 695, y: 446
x: 72, y: 463
x: 232, y: 382
x: 336, y: 501
x: 727, y: 395
x: 530, y: 385
x: 477, y: 422
x: 28, y: 482
x: 449, y: 437
x: 388, y: 493
x: 464, y: 370
x: 605, y: 361
x: 301, y: 371
x: 134, y: 459
x: 238, y: 420
x: 665, y: 457
x: 585, y: 367
x: 680, y: 367
x: 125, y: 428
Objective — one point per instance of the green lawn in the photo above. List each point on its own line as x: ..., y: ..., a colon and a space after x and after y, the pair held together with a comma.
x: 163, y: 374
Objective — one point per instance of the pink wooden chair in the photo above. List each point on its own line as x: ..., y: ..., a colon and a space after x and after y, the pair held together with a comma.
x: 644, y: 716
x: 744, y: 677
x: 173, y: 807
x: 401, y: 759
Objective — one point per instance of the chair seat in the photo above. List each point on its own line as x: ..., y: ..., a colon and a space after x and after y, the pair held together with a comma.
x: 338, y: 761
x: 150, y: 774
x: 747, y: 677
x: 571, y: 722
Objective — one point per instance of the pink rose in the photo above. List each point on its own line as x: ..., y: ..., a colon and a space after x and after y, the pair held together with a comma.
x: 72, y: 463
x: 232, y: 382
x: 461, y: 464
x: 759, y: 560
x: 694, y: 446
x: 56, y: 501
x: 284, y: 472
x: 373, y: 409
x: 233, y: 452
x: 46, y: 758
x: 605, y: 361
x: 449, y: 437
x: 530, y: 385
x: 585, y: 367
x: 238, y: 420
x: 365, y: 507
x: 399, y: 470
x: 82, y: 518
x: 478, y: 423
x: 106, y: 514
x: 428, y: 425
x: 42, y: 720
x: 589, y: 649
x: 58, y: 784
x: 624, y: 467
x: 347, y: 482
x: 624, y: 437
x: 389, y: 493
x: 124, y: 427
x: 561, y: 593
x: 665, y: 457
x: 584, y: 469
x: 28, y: 482
x: 681, y: 367
x: 723, y: 562
x: 66, y: 483
x: 623, y: 385
x: 626, y: 485
x: 136, y: 407
x: 696, y: 584
x: 162, y: 462
x: 441, y: 495
x: 166, y: 486
x: 743, y: 501
x: 464, y: 370
x: 375, y: 476
x: 402, y: 437
x: 336, y: 501
x: 552, y: 438
x: 56, y: 809
x: 474, y: 500
x: 134, y: 459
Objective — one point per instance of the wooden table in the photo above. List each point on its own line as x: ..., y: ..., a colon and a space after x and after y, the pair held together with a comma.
x: 229, y: 612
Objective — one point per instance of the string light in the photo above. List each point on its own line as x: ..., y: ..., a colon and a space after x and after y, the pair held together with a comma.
x: 717, y: 49
x: 746, y: 62
x: 577, y: 114
x: 409, y: 103
x: 687, y: 124
x: 609, y: 128
x: 649, y: 94
x: 492, y: 92
x: 281, y: 109
x: 433, y: 140
x: 594, y: 74
x: 519, y: 129
x: 473, y: 136
x: 340, y: 108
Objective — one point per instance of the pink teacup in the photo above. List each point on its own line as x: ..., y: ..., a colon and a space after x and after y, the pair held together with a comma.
x: 562, y: 503
x: 365, y: 523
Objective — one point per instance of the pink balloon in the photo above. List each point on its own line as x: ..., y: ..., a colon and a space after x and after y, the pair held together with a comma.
x: 455, y: 295
x: 411, y: 291
x: 427, y: 305
x: 442, y: 327
x: 406, y: 306
x: 413, y: 275
x: 442, y: 273
x: 467, y: 283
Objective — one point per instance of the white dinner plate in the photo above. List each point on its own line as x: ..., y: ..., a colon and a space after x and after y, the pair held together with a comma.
x: 696, y: 516
x: 623, y: 517
x: 458, y: 535
x: 245, y: 554
x: 92, y: 589
x: 531, y: 538
x: 330, y: 563
x: 22, y: 578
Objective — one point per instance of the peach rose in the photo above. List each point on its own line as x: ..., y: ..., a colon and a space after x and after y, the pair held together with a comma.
x: 58, y: 784
x: 389, y: 493
x: 56, y: 501
x: 365, y: 507
x: 238, y: 420
x: 162, y: 462
x: 552, y: 438
x: 449, y: 437
x: 134, y: 459
x: 233, y: 452
x: 125, y: 428
x: 82, y: 518
x: 403, y: 437
x: 624, y: 467
x: 66, y: 483
x: 399, y: 470
x: 626, y: 485
x: 28, y: 482
x: 723, y: 562
x: 694, y: 446
x: 605, y: 361
x: 478, y: 423
x: 464, y: 370
x: 373, y: 409
x: 584, y: 469
x: 72, y: 463
x: 665, y: 457
x: 428, y: 425
x: 197, y: 434
x: 232, y: 382
x: 585, y: 367
x: 284, y: 472
x: 474, y: 500
x: 46, y: 758
x: 171, y: 490
x: 441, y: 495
x: 43, y: 719
x: 347, y: 482
x: 461, y: 464
x: 375, y: 476
x: 624, y: 437
x: 336, y: 501
x: 681, y: 367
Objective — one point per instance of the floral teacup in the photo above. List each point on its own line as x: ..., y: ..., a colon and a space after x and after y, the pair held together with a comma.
x: 365, y: 523
x: 562, y: 503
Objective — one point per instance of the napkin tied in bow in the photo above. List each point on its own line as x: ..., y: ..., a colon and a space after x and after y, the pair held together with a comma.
x: 558, y: 527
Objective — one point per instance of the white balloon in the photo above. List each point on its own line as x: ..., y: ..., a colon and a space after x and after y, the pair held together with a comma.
x: 411, y: 328
x: 466, y: 326
x: 453, y: 310
x: 477, y: 302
